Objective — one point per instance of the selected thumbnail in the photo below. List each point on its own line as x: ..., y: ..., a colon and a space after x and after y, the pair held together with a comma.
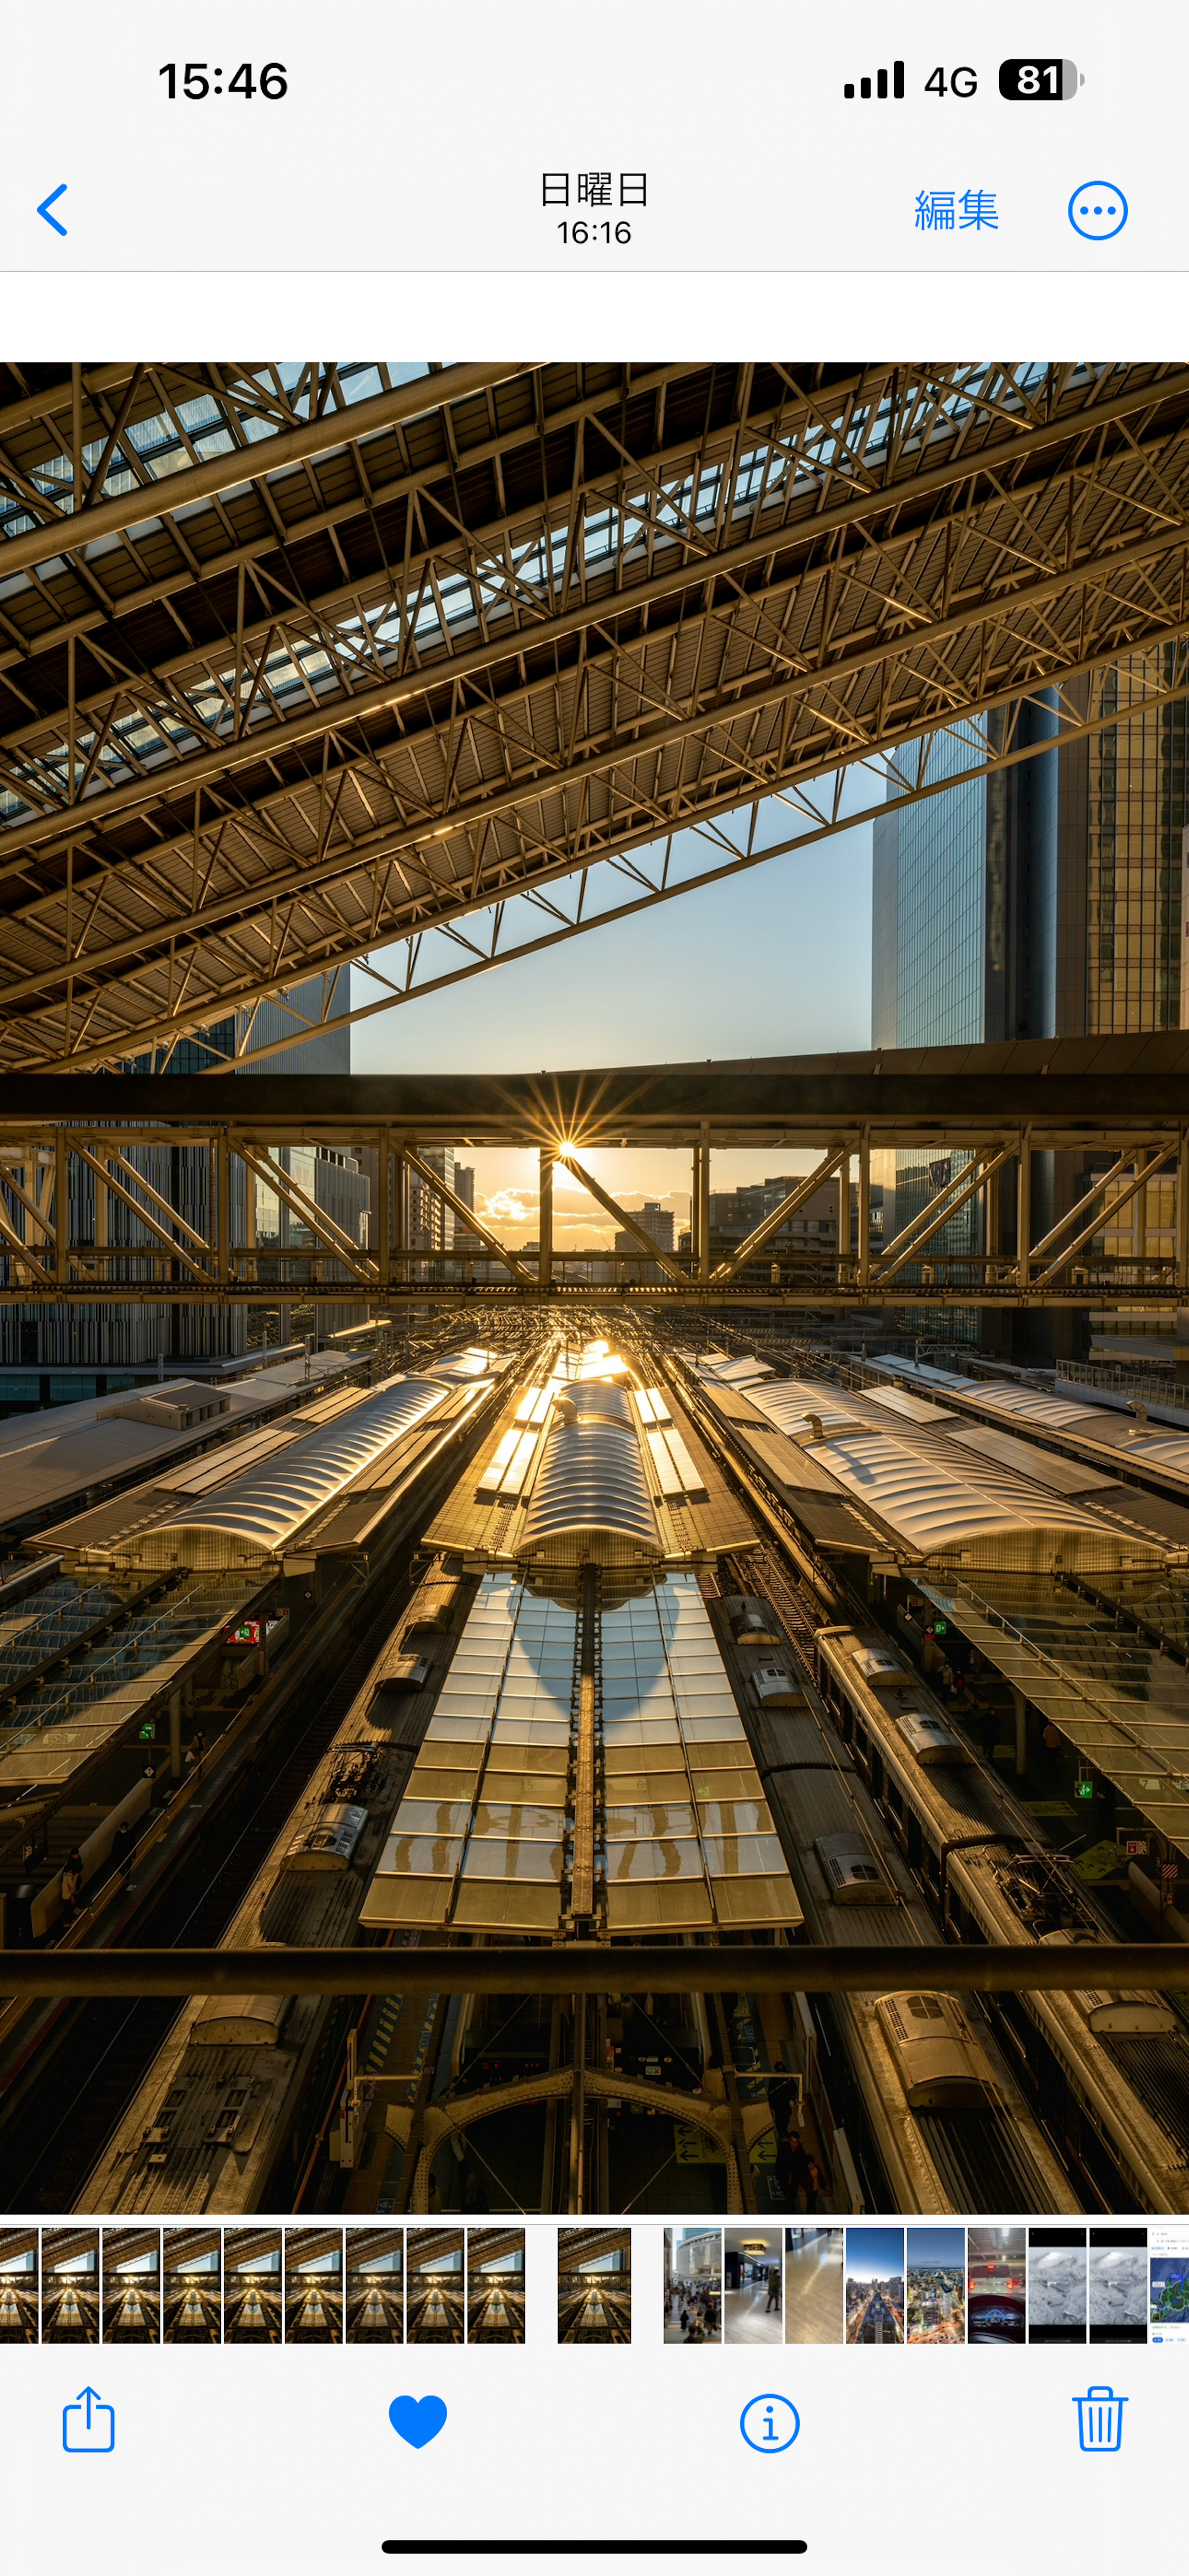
x: 594, y: 2285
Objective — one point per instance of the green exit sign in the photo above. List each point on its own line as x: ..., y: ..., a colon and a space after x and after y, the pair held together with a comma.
x: 148, y: 1732
x: 1083, y: 1788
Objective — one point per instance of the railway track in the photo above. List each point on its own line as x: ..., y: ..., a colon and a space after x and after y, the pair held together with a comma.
x: 103, y: 2051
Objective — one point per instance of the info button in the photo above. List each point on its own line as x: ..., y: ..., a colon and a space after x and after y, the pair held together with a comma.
x: 770, y: 2423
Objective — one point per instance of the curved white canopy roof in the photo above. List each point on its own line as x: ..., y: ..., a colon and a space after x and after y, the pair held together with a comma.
x: 260, y: 1514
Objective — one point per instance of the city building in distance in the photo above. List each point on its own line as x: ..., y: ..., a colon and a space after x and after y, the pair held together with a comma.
x: 936, y: 2277
x: 875, y: 2285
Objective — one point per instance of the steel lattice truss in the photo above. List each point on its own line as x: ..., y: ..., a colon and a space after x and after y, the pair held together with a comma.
x: 299, y: 663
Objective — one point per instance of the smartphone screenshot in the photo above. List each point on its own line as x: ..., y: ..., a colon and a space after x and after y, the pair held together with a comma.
x: 594, y: 1287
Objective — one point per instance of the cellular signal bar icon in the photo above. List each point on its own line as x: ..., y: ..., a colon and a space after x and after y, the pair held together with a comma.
x: 881, y: 84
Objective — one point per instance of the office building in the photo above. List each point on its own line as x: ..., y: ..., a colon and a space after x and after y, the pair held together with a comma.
x: 95, y: 1343
x: 653, y: 1220
x: 1042, y: 901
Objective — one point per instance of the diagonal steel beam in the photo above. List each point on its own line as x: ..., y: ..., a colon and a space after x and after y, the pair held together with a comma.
x: 930, y: 1219
x: 332, y: 1243
x: 474, y: 1224
x: 779, y: 1217
x: 623, y: 1216
x: 248, y: 464
x: 1124, y: 1199
x: 169, y: 1242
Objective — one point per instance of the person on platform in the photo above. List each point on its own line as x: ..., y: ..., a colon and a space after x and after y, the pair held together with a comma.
x: 792, y: 2170
x: 72, y: 1883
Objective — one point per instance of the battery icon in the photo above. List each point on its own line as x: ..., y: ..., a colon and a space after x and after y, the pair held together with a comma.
x: 1044, y: 76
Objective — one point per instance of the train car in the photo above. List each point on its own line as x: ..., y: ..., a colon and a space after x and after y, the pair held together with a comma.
x: 939, y: 2061
x: 983, y: 2149
x: 1110, y: 2073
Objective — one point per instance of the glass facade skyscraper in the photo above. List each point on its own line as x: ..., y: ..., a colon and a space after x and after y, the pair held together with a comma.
x: 1041, y: 901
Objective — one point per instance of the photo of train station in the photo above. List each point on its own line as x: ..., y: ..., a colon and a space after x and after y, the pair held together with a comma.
x: 253, y: 2293
x: 668, y: 1572
x: 375, y: 2285
x: 436, y: 2289
x: 495, y: 2285
x: 192, y: 2285
x: 20, y: 2285
x: 131, y: 2285
x: 594, y: 2285
x: 70, y: 2285
x: 313, y: 2285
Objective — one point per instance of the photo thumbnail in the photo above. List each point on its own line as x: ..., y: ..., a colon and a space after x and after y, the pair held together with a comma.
x: 192, y: 2285
x: 253, y: 2301
x: 753, y: 2261
x: 495, y: 2285
x: 436, y: 2288
x: 594, y: 2285
x: 313, y: 2285
x: 20, y: 2283
x: 375, y: 2285
x: 936, y: 2284
x: 131, y: 2285
x: 875, y: 2285
x: 693, y: 2285
x: 996, y: 2282
x: 814, y: 2276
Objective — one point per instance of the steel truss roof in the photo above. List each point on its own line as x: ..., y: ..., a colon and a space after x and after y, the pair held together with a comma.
x: 397, y: 653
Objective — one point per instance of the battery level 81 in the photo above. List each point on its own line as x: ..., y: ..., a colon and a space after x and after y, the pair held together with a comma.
x: 1040, y: 77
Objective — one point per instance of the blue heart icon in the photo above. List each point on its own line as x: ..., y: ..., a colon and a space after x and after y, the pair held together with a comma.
x: 417, y: 2419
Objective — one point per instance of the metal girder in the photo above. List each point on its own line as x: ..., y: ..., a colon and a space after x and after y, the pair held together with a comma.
x: 998, y: 1104
x: 657, y: 594
x: 594, y: 1968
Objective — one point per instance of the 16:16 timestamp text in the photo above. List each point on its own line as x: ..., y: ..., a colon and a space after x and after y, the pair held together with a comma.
x: 580, y: 232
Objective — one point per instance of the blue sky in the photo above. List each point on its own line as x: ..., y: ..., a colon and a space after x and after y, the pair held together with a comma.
x: 776, y: 961
x: 931, y: 2247
x: 874, y: 2253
